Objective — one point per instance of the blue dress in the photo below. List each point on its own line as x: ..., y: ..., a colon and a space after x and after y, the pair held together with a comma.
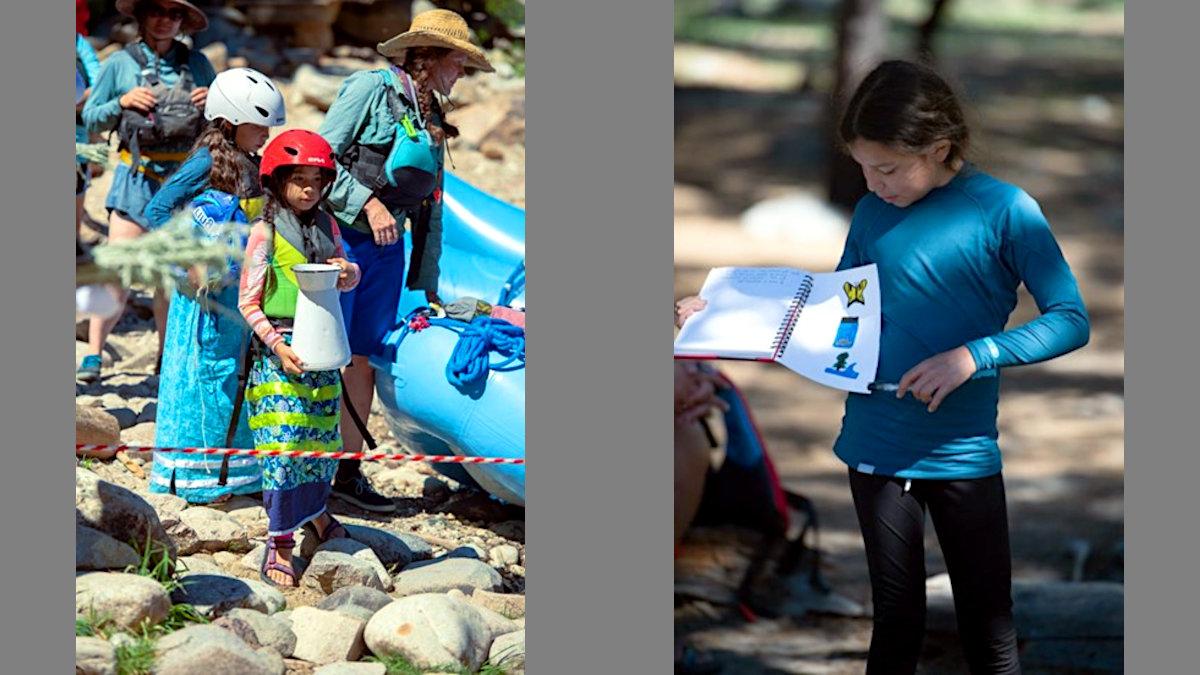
x: 204, y: 353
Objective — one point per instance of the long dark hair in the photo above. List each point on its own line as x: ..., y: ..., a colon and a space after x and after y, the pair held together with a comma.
x: 232, y: 169
x: 908, y: 106
x: 416, y: 63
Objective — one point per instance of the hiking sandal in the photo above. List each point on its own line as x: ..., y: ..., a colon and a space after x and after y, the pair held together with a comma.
x: 271, y: 563
x: 310, y: 528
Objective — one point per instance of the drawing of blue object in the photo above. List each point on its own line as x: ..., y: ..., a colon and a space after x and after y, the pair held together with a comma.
x: 846, y: 333
x: 841, y: 369
x: 848, y: 373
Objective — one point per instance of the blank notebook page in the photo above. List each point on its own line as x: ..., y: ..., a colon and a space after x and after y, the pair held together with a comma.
x: 746, y: 309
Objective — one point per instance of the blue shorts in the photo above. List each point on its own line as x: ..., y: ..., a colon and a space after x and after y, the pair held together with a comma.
x: 130, y: 193
x: 370, y: 309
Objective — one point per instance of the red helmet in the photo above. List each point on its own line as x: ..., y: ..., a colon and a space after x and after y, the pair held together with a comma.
x: 296, y: 147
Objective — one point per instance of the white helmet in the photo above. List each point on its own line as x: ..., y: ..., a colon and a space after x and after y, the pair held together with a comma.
x: 244, y: 96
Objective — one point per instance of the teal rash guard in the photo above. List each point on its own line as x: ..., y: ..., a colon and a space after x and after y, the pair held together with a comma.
x: 949, y: 268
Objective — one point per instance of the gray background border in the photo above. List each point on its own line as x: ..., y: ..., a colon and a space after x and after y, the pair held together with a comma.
x: 1162, y: 464
x: 36, y: 406
x: 599, y: 180
x: 598, y: 433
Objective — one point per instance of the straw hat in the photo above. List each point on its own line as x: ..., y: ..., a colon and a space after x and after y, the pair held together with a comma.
x: 437, y: 28
x: 194, y: 22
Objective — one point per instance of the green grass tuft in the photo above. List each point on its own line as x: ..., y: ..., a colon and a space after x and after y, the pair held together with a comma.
x: 137, y: 657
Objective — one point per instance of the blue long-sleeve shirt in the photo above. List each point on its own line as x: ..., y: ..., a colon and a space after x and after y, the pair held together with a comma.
x: 188, y: 181
x: 86, y: 56
x: 360, y: 115
x: 949, y: 268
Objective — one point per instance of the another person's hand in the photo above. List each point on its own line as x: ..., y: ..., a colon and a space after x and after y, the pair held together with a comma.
x: 199, y: 97
x: 932, y: 380
x: 687, y: 307
x: 138, y: 98
x: 292, y: 365
x: 696, y: 392
x: 431, y: 298
x: 196, y: 276
x: 343, y: 266
x: 344, y: 281
x: 383, y: 224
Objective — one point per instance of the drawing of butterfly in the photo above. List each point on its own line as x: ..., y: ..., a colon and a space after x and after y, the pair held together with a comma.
x: 855, y: 293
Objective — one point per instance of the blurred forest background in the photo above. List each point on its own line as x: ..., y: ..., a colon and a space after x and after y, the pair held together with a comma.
x: 758, y: 182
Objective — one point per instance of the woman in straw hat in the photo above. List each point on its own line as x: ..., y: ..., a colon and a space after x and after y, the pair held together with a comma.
x: 122, y: 85
x: 389, y: 134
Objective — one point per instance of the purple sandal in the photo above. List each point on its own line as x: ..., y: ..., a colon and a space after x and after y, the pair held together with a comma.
x: 271, y: 563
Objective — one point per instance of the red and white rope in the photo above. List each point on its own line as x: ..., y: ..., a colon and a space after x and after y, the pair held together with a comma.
x: 365, y: 456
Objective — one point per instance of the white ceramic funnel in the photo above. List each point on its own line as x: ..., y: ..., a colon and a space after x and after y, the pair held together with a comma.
x: 319, y: 335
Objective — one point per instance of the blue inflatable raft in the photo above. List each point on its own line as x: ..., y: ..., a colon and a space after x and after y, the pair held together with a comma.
x: 483, y: 256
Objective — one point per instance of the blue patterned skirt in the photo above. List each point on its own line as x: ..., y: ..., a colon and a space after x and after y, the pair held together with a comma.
x: 294, y: 413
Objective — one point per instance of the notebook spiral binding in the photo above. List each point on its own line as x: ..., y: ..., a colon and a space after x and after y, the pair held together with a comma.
x: 797, y: 305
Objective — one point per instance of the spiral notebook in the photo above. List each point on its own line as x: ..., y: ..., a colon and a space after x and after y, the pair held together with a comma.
x: 822, y: 325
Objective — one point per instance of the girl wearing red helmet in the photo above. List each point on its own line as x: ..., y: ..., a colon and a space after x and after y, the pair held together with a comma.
x: 289, y: 407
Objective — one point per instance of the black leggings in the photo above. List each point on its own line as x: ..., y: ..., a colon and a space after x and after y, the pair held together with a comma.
x: 971, y: 522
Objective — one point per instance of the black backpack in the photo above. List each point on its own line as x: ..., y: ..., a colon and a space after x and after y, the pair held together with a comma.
x: 174, y: 122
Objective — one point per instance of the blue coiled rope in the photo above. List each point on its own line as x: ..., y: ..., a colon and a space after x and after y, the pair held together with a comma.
x: 471, y: 359
x: 470, y: 362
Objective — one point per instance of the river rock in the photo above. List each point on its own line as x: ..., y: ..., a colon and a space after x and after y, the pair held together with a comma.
x: 140, y: 435
x: 504, y: 555
x: 331, y: 570
x: 268, y: 631
x: 118, y: 512
x: 95, y: 550
x: 204, y: 529
x: 430, y: 630
x: 212, y: 595
x: 443, y: 574
x: 356, y: 601
x: 509, y: 605
x: 208, y: 650
x: 508, y: 651
x: 94, y: 426
x: 94, y: 656
x: 199, y: 564
x: 351, y: 668
x: 324, y: 637
x: 392, y: 548
x: 126, y: 599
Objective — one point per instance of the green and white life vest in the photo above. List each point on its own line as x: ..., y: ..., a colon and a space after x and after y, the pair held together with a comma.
x: 294, y: 244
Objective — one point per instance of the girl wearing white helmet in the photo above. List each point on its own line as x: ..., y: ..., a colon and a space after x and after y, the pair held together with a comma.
x: 206, y: 339
x: 242, y: 103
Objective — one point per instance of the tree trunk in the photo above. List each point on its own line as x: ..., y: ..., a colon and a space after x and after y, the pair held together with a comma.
x: 861, y: 41
x: 929, y: 29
